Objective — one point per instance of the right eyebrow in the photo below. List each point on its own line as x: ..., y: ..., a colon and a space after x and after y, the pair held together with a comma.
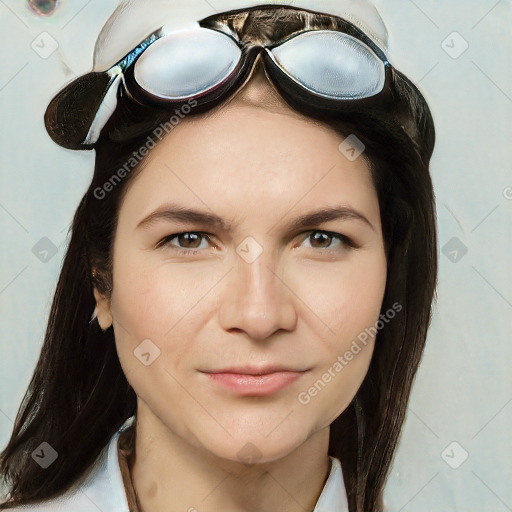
x: 183, y: 214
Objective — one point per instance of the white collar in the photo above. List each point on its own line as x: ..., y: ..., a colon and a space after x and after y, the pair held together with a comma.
x: 333, y: 496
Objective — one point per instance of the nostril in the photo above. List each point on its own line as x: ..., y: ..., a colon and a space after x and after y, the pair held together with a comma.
x: 43, y: 7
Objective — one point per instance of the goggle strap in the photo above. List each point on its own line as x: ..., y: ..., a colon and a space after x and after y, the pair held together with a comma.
x: 105, y: 110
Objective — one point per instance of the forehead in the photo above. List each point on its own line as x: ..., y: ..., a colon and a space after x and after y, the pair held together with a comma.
x: 250, y: 162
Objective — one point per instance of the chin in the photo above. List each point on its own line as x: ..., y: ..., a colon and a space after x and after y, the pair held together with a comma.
x: 253, y: 447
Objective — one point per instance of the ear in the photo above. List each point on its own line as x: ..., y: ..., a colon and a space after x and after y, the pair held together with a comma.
x: 103, y: 311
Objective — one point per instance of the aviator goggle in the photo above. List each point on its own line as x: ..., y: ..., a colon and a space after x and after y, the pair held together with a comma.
x: 326, y: 68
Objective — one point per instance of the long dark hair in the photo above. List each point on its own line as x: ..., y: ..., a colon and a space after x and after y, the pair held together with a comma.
x: 78, y: 396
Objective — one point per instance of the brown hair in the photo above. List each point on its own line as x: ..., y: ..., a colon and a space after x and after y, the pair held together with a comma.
x: 76, y: 400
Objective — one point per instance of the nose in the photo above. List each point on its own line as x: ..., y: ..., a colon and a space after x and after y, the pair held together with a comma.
x: 256, y: 301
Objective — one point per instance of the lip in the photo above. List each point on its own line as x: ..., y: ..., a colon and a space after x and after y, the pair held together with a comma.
x: 255, y: 370
x: 252, y: 381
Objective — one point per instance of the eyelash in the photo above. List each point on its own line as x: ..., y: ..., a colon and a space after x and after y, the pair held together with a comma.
x: 166, y: 241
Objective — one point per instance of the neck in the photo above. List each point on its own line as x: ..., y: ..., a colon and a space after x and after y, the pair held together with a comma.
x: 169, y: 474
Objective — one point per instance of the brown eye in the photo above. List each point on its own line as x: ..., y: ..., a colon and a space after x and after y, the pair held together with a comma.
x: 185, y: 242
x: 328, y: 240
x: 320, y: 239
x: 189, y: 240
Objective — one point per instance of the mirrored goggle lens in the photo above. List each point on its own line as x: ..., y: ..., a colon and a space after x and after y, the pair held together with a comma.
x: 186, y: 64
x: 331, y: 64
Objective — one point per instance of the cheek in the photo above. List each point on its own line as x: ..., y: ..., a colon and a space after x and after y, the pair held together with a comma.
x: 346, y: 298
x: 137, y: 299
x: 162, y: 303
x: 346, y: 301
x: 152, y: 304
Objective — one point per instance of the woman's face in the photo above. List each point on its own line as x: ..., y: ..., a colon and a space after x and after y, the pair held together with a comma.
x: 252, y: 288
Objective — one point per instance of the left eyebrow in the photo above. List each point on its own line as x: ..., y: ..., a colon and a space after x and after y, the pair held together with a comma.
x: 178, y: 213
x: 327, y: 214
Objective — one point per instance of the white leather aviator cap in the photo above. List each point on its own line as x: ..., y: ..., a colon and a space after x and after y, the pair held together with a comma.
x: 133, y: 20
x: 352, y: 70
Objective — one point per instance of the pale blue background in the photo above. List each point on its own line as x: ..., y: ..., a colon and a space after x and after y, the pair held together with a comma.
x: 463, y: 391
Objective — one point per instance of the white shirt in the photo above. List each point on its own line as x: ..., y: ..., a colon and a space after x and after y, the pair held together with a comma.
x: 102, y: 488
